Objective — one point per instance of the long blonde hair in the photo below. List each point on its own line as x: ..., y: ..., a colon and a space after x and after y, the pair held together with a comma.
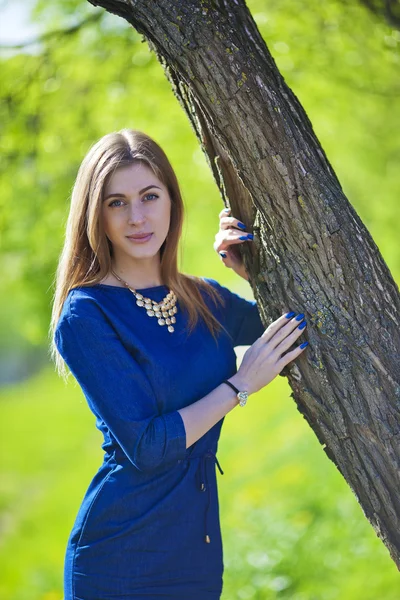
x: 86, y: 255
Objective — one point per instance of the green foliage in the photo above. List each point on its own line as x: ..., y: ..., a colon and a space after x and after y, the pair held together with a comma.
x: 292, y: 527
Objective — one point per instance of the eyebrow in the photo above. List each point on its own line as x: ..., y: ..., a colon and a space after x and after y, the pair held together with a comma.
x: 123, y: 195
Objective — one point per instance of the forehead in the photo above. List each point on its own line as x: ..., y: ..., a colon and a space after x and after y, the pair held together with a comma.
x: 131, y: 179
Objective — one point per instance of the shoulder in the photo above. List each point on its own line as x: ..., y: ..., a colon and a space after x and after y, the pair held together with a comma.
x: 207, y: 283
x: 234, y: 302
x: 214, y: 290
x: 213, y: 284
x: 81, y: 303
x: 84, y: 322
x: 206, y: 286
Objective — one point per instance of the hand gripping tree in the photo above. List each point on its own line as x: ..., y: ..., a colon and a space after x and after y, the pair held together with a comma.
x: 310, y: 247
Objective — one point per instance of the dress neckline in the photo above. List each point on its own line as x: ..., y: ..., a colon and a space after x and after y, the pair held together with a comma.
x: 119, y: 287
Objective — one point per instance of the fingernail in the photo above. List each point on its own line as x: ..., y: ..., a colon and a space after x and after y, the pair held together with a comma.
x: 290, y: 315
x: 243, y: 237
x: 227, y: 209
x: 250, y: 236
x: 300, y: 317
x: 304, y: 344
x: 302, y: 325
x: 241, y: 225
x: 223, y: 254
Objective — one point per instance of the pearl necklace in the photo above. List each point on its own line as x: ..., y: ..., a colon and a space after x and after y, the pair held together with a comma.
x: 163, y: 310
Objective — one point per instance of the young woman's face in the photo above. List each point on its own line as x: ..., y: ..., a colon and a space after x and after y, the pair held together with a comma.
x: 136, y: 202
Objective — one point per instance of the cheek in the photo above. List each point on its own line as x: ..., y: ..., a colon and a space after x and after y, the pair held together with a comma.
x: 110, y: 227
x: 111, y: 220
x: 164, y: 216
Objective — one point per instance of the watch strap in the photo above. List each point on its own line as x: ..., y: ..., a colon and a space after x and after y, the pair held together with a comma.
x: 231, y: 385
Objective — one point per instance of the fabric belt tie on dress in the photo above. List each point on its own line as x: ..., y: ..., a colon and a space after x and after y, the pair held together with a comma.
x: 204, y: 486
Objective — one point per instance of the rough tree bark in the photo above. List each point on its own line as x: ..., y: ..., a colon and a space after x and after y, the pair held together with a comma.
x: 311, y: 251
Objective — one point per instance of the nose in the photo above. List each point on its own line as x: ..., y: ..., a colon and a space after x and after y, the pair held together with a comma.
x: 136, y: 216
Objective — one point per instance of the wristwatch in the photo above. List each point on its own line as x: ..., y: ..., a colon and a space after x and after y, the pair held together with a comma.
x: 241, y: 395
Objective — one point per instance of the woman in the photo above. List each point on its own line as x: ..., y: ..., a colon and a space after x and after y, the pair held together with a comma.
x: 153, y: 351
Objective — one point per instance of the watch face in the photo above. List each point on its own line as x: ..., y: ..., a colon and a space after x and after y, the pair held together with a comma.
x: 242, y: 398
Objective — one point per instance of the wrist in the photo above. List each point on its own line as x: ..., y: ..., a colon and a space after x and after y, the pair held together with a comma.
x: 240, y: 383
x: 241, y: 391
x: 241, y: 394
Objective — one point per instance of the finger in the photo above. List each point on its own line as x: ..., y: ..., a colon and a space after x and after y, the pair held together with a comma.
x: 231, y: 238
x: 290, y: 330
x: 228, y: 258
x: 287, y: 322
x: 224, y: 212
x: 289, y: 356
x: 286, y: 343
x: 230, y: 222
x: 233, y: 251
x: 227, y: 237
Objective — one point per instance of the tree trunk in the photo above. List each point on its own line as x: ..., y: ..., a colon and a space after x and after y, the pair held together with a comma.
x: 311, y: 251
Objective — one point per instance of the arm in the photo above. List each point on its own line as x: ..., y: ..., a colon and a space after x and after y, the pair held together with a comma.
x: 119, y: 393
x: 200, y: 416
x: 242, y: 317
x: 247, y: 324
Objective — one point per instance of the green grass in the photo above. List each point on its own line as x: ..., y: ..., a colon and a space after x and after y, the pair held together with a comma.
x: 292, y: 527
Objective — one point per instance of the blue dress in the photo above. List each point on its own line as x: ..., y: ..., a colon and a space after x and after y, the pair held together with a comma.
x: 140, y: 532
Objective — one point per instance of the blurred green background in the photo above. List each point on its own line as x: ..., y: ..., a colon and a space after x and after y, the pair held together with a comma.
x: 292, y: 527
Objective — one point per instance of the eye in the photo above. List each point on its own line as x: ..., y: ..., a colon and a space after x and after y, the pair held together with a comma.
x: 154, y: 195
x: 113, y: 202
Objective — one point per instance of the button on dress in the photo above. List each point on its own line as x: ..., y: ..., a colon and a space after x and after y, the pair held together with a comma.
x: 148, y: 526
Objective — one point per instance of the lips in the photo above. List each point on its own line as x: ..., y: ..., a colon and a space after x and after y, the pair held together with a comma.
x: 139, y: 236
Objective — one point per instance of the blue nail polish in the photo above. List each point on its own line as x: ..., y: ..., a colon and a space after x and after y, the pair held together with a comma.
x: 227, y: 209
x: 250, y: 236
x: 304, y: 344
x: 290, y: 315
x: 302, y: 325
x: 223, y: 254
x: 243, y: 237
x: 300, y: 317
x: 241, y: 225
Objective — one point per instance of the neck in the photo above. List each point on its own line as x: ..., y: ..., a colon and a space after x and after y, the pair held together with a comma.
x: 136, y: 280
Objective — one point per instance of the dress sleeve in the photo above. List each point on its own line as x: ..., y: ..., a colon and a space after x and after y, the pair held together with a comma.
x: 243, y: 320
x: 118, y: 391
